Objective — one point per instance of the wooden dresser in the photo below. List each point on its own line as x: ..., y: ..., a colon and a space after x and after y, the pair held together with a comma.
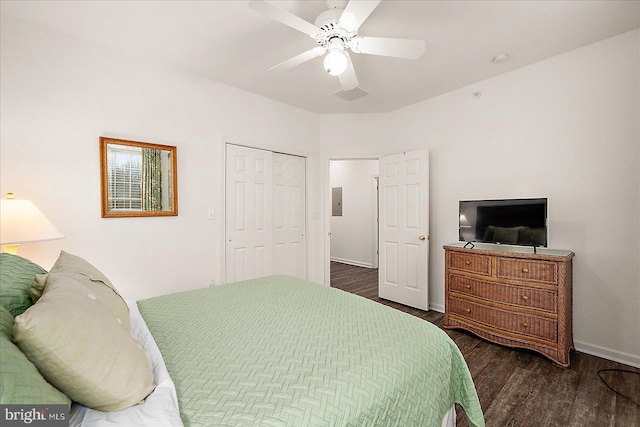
x: 511, y: 298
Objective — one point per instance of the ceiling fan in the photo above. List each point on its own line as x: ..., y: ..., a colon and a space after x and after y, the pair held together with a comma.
x: 336, y: 32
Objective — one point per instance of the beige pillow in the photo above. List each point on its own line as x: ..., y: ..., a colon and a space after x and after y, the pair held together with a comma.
x: 80, y: 347
x: 74, y: 267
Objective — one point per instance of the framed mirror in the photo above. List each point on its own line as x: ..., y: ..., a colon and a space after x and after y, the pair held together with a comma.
x: 137, y: 179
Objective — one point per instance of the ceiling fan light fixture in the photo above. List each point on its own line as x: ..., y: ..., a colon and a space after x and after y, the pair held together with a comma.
x: 335, y: 32
x: 335, y: 63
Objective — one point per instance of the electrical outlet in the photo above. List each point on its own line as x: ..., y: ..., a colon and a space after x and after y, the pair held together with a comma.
x: 212, y: 282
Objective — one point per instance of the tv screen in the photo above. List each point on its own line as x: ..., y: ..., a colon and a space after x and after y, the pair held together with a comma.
x: 512, y: 221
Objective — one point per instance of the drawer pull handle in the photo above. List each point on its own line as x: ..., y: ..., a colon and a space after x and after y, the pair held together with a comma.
x: 524, y: 297
x: 525, y: 270
x: 525, y: 324
x: 468, y: 310
x: 468, y: 286
x: 467, y: 262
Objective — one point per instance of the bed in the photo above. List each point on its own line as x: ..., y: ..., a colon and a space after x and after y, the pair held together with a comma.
x: 280, y: 351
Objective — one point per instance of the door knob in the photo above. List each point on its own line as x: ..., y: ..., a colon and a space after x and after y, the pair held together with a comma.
x: 421, y: 237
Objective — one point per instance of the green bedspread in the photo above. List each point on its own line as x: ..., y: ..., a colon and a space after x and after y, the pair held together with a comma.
x: 279, y: 351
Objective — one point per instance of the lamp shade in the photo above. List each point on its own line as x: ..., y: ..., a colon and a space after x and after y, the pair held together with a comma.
x: 22, y: 222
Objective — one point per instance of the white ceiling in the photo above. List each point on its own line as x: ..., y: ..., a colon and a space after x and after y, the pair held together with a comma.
x: 228, y: 42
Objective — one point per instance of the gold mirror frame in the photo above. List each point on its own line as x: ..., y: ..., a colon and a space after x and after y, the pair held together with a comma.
x: 165, y: 193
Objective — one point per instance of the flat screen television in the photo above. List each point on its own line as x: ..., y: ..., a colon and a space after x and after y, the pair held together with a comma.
x: 510, y: 221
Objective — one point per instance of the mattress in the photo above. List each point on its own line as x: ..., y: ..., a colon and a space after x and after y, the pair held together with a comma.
x: 280, y: 351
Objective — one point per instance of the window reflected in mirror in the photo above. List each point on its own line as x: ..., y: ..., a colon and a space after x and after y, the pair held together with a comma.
x: 138, y: 178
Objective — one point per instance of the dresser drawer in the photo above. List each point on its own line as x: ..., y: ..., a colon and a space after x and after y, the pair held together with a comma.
x: 523, y: 324
x: 479, y: 264
x: 529, y: 270
x: 522, y: 296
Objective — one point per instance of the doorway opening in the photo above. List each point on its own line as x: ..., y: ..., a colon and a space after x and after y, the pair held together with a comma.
x: 353, y: 231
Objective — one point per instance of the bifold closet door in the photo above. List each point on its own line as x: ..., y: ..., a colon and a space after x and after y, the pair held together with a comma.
x: 265, y: 214
x: 249, y: 235
x: 289, y: 215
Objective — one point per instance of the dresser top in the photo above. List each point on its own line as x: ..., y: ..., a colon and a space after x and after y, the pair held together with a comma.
x: 511, y: 251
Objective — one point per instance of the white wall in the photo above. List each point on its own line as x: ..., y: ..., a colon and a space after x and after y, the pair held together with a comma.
x: 353, y: 238
x: 565, y: 128
x: 60, y: 94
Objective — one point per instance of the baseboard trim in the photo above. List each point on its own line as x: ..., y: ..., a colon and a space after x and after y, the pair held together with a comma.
x: 351, y: 262
x: 437, y: 307
x: 608, y: 353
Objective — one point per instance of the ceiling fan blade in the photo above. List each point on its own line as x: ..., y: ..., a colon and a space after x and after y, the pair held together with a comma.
x: 397, y: 48
x: 299, y: 59
x: 348, y: 79
x: 358, y: 10
x: 285, y: 17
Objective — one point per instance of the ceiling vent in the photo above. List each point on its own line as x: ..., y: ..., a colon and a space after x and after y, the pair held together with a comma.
x: 350, y: 95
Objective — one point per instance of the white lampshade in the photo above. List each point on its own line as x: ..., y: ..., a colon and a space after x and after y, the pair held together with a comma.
x: 22, y: 222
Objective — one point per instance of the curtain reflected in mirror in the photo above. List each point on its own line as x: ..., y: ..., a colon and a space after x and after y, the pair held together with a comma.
x: 138, y: 178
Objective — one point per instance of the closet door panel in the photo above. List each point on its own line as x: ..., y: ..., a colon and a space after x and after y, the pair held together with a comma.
x: 289, y: 214
x: 248, y: 213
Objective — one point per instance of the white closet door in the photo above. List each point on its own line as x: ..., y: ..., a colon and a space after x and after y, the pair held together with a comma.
x: 249, y: 236
x: 265, y: 214
x: 404, y: 228
x: 289, y: 215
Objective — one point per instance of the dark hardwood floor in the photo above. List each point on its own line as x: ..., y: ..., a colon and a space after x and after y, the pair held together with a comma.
x: 518, y: 387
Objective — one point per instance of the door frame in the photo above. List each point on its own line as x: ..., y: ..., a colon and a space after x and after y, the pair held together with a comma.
x: 327, y: 204
x: 375, y: 206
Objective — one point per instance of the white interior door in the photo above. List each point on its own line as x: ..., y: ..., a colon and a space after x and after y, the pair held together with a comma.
x: 404, y: 228
x: 248, y: 209
x: 289, y: 215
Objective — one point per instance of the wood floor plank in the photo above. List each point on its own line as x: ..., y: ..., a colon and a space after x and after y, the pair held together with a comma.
x: 628, y: 384
x: 593, y: 402
x: 506, y: 408
x: 518, y: 387
x: 552, y: 392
